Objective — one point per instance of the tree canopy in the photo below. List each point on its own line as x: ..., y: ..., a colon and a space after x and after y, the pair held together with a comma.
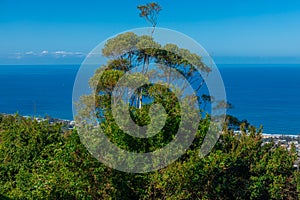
x: 39, y: 160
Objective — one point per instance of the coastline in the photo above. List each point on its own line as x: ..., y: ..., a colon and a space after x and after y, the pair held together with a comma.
x: 266, y: 135
x: 69, y: 121
x: 70, y: 124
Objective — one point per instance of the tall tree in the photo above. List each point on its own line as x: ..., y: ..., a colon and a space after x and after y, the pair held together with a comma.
x: 128, y: 51
x: 149, y: 12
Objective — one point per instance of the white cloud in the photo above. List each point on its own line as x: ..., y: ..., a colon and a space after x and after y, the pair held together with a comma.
x: 68, y: 53
x: 60, y: 52
x: 29, y: 53
x: 48, y: 54
x: 44, y: 52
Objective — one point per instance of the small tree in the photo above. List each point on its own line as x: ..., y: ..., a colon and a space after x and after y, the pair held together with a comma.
x: 150, y: 12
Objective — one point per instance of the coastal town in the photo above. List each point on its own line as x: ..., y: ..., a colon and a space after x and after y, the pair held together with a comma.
x: 67, y: 124
x: 285, y: 141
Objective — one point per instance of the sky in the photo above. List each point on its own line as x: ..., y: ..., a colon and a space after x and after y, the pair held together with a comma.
x: 66, y: 31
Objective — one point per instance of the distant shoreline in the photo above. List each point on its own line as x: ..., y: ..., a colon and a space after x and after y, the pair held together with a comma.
x: 280, y: 135
x: 38, y: 117
x: 276, y: 135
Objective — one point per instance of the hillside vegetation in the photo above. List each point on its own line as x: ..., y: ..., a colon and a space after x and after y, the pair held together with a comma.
x: 39, y: 160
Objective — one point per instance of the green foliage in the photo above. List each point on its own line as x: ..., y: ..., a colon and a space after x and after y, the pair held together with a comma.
x: 40, y: 161
x: 120, y: 44
x: 239, y: 167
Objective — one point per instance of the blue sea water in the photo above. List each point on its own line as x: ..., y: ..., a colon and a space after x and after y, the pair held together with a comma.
x: 37, y: 90
x: 267, y: 95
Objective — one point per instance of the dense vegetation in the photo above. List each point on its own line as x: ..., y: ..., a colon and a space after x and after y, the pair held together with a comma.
x: 41, y: 161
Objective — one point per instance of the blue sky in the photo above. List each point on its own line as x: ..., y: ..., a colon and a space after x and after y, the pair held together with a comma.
x: 70, y: 29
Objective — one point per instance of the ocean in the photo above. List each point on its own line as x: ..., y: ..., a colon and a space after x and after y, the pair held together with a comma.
x: 267, y: 95
x: 264, y: 94
x: 37, y: 90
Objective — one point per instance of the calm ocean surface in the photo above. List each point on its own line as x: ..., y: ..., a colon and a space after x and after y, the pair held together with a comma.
x: 267, y: 95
